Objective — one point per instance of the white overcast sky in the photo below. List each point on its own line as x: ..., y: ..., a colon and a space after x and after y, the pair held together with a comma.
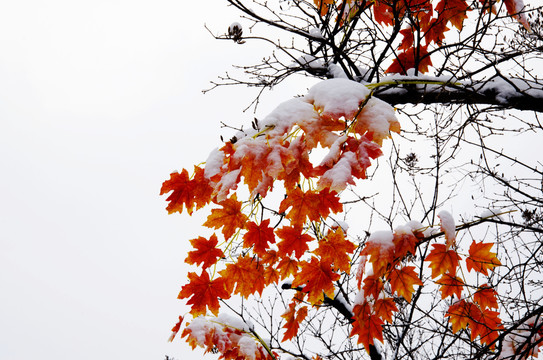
x: 99, y: 101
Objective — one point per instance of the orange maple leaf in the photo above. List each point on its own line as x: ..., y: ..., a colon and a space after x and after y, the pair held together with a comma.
x: 191, y: 194
x: 402, y: 281
x: 442, y: 261
x: 293, y: 321
x: 404, y: 243
x: 205, y: 253
x: 259, y: 236
x: 481, y: 259
x: 309, y: 205
x: 230, y: 217
x: 450, y: 285
x: 203, y: 293
x: 335, y: 248
x: 366, y: 325
x: 485, y: 297
x: 293, y: 240
x: 287, y: 267
x: 381, y: 255
x: 316, y: 279
x: 244, y: 277
x: 458, y: 316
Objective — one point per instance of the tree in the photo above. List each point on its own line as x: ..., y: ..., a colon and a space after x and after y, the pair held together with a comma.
x: 296, y: 266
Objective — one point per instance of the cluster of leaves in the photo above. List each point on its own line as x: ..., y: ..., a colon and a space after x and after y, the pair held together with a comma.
x: 424, y: 23
x: 306, y: 247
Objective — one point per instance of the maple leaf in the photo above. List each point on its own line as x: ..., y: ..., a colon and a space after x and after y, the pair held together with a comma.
x: 380, y: 250
x: 323, y: 6
x: 435, y: 31
x: 293, y: 240
x: 175, y: 329
x: 450, y: 285
x: 203, y: 293
x: 187, y: 193
x: 384, y: 308
x: 300, y: 166
x: 373, y: 285
x: 442, y: 261
x: 404, y: 243
x: 383, y: 12
x: 485, y: 297
x: 205, y: 253
x: 481, y: 259
x: 259, y: 236
x: 316, y: 279
x: 309, y: 205
x: 230, y: 217
x: 409, y: 59
x: 244, y: 277
x: 453, y: 11
x: 408, y: 39
x: 252, y: 157
x: 402, y: 281
x: 335, y: 248
x: 485, y: 324
x: 293, y: 321
x: 366, y: 325
x: 458, y: 315
x: 287, y: 267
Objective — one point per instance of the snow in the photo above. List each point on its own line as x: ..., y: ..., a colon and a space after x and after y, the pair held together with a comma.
x: 286, y: 115
x: 491, y: 213
x: 447, y: 226
x: 235, y: 26
x: 382, y: 238
x: 308, y: 60
x: 316, y: 33
x: 214, y: 162
x: 337, y: 96
x: 336, y: 71
x: 340, y: 174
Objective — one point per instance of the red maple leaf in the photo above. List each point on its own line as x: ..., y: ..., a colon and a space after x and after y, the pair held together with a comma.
x: 316, y: 279
x: 203, y: 293
x: 373, y: 285
x: 366, y: 325
x: 259, y: 236
x: 229, y: 217
x: 205, y: 253
x: 409, y: 59
x: 384, y: 308
x: 481, y: 259
x: 293, y: 240
x: 453, y: 11
x: 442, y: 261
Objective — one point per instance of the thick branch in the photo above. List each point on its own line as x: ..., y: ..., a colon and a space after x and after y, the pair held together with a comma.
x: 507, y: 93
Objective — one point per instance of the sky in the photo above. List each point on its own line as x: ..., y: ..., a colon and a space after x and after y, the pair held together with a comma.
x: 99, y: 102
